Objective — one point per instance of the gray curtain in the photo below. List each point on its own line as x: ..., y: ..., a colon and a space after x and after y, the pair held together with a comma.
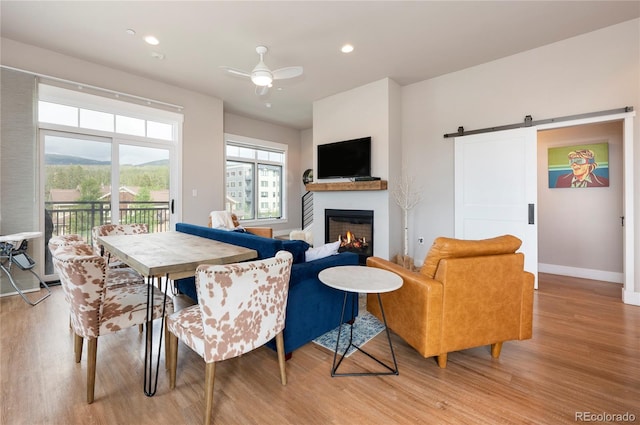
x: 18, y: 166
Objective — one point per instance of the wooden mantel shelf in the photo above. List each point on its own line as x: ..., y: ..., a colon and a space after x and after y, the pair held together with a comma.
x: 347, y: 186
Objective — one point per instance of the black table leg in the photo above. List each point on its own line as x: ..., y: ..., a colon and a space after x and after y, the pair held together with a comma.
x: 151, y: 384
x: 391, y: 371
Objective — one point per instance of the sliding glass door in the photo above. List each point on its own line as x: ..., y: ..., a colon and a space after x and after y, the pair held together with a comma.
x: 88, y: 181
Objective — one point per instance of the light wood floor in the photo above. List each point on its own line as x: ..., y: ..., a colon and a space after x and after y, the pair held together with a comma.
x: 583, y: 357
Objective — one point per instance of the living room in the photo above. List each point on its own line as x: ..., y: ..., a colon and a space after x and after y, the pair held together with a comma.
x: 596, y: 71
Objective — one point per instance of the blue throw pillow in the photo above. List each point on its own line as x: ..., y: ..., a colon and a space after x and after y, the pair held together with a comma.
x: 297, y: 248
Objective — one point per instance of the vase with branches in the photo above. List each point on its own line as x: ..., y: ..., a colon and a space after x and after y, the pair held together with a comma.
x: 407, y: 196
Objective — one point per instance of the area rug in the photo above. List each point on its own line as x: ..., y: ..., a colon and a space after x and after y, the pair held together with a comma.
x: 366, y: 327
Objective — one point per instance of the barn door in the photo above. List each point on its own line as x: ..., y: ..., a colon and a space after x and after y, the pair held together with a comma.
x: 496, y: 188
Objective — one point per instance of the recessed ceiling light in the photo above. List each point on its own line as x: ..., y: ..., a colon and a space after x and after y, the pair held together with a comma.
x: 347, y: 48
x: 151, y: 40
x: 157, y: 55
x: 268, y: 105
x: 131, y: 31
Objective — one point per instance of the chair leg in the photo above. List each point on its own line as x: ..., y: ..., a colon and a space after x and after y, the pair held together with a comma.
x: 495, y: 349
x: 91, y: 368
x: 77, y: 346
x: 209, y: 376
x: 281, y: 358
x: 166, y: 344
x: 172, y: 342
x: 442, y: 360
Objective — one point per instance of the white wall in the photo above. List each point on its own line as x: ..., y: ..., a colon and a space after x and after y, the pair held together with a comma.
x: 369, y: 110
x: 581, y: 228
x: 593, y: 72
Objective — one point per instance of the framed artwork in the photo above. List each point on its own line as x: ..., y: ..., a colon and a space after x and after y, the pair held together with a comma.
x: 579, y: 166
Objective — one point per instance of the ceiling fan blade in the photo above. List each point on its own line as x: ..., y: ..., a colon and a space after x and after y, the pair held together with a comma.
x: 288, y: 72
x: 236, y: 71
x: 262, y: 90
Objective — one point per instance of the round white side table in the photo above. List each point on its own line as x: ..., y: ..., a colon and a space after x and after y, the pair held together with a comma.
x: 364, y: 280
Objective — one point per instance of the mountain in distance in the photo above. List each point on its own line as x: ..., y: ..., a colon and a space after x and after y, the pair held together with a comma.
x: 57, y: 159
x: 159, y: 162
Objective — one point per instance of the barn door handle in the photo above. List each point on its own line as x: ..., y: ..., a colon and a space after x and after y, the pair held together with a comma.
x: 531, y: 213
x: 172, y: 201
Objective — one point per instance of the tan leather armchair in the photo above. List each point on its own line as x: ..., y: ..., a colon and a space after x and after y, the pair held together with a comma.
x: 468, y: 293
x: 265, y: 232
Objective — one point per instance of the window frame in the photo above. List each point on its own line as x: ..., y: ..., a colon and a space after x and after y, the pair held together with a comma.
x: 264, y: 145
x: 81, y: 100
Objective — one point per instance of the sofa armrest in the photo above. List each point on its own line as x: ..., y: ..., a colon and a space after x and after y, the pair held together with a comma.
x: 414, y: 311
x: 310, y: 269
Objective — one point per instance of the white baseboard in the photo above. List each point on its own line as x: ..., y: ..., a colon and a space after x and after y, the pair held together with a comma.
x: 581, y: 273
x: 631, y: 297
x: 24, y: 291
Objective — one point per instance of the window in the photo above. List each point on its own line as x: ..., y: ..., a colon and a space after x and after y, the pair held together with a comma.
x: 260, y: 165
x: 105, y: 161
x: 84, y: 111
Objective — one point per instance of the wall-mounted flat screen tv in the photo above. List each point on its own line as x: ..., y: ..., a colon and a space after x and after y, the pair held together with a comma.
x: 350, y: 158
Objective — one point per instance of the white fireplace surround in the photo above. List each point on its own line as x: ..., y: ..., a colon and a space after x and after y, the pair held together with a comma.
x: 377, y: 201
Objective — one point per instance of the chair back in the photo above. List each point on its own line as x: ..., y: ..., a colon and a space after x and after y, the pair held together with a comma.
x: 82, y: 276
x: 444, y: 248
x: 242, y: 305
x: 59, y: 240
x: 115, y: 229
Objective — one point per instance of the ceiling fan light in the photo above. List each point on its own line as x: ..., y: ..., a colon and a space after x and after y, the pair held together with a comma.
x: 261, y: 78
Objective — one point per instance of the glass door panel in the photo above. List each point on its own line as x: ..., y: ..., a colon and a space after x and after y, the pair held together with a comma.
x: 144, y: 176
x: 77, y: 184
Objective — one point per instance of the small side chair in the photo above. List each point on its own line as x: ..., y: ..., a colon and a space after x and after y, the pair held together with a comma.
x: 96, y: 308
x: 241, y: 307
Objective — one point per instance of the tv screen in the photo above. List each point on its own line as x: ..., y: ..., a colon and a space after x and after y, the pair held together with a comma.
x: 351, y: 158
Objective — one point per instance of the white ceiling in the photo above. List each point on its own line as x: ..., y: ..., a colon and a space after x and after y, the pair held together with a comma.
x: 406, y: 41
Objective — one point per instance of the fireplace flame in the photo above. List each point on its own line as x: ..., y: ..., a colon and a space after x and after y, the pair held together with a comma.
x: 350, y: 240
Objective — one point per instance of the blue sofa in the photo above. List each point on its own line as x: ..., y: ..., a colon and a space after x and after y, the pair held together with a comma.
x: 312, y: 308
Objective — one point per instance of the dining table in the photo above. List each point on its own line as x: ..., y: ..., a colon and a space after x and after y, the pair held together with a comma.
x: 174, y: 255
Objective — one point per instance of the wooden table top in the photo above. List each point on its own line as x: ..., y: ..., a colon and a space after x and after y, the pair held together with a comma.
x: 174, y: 253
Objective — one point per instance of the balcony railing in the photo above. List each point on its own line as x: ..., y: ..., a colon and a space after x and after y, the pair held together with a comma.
x: 79, y: 217
x: 64, y: 218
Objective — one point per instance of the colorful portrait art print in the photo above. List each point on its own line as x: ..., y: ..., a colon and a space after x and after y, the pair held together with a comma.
x: 579, y: 166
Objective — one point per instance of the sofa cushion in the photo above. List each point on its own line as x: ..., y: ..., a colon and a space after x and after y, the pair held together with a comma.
x: 297, y: 248
x: 322, y: 251
x: 221, y: 220
x: 458, y: 248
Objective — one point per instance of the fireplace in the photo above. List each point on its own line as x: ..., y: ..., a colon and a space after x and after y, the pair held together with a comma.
x: 353, y: 228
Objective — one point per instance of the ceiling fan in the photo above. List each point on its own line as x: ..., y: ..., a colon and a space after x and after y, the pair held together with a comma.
x: 262, y: 76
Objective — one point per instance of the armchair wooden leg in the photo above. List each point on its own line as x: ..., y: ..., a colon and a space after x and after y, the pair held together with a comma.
x: 77, y: 346
x: 172, y: 342
x: 209, y: 376
x: 281, y: 358
x: 442, y: 360
x: 495, y: 349
x: 91, y: 368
